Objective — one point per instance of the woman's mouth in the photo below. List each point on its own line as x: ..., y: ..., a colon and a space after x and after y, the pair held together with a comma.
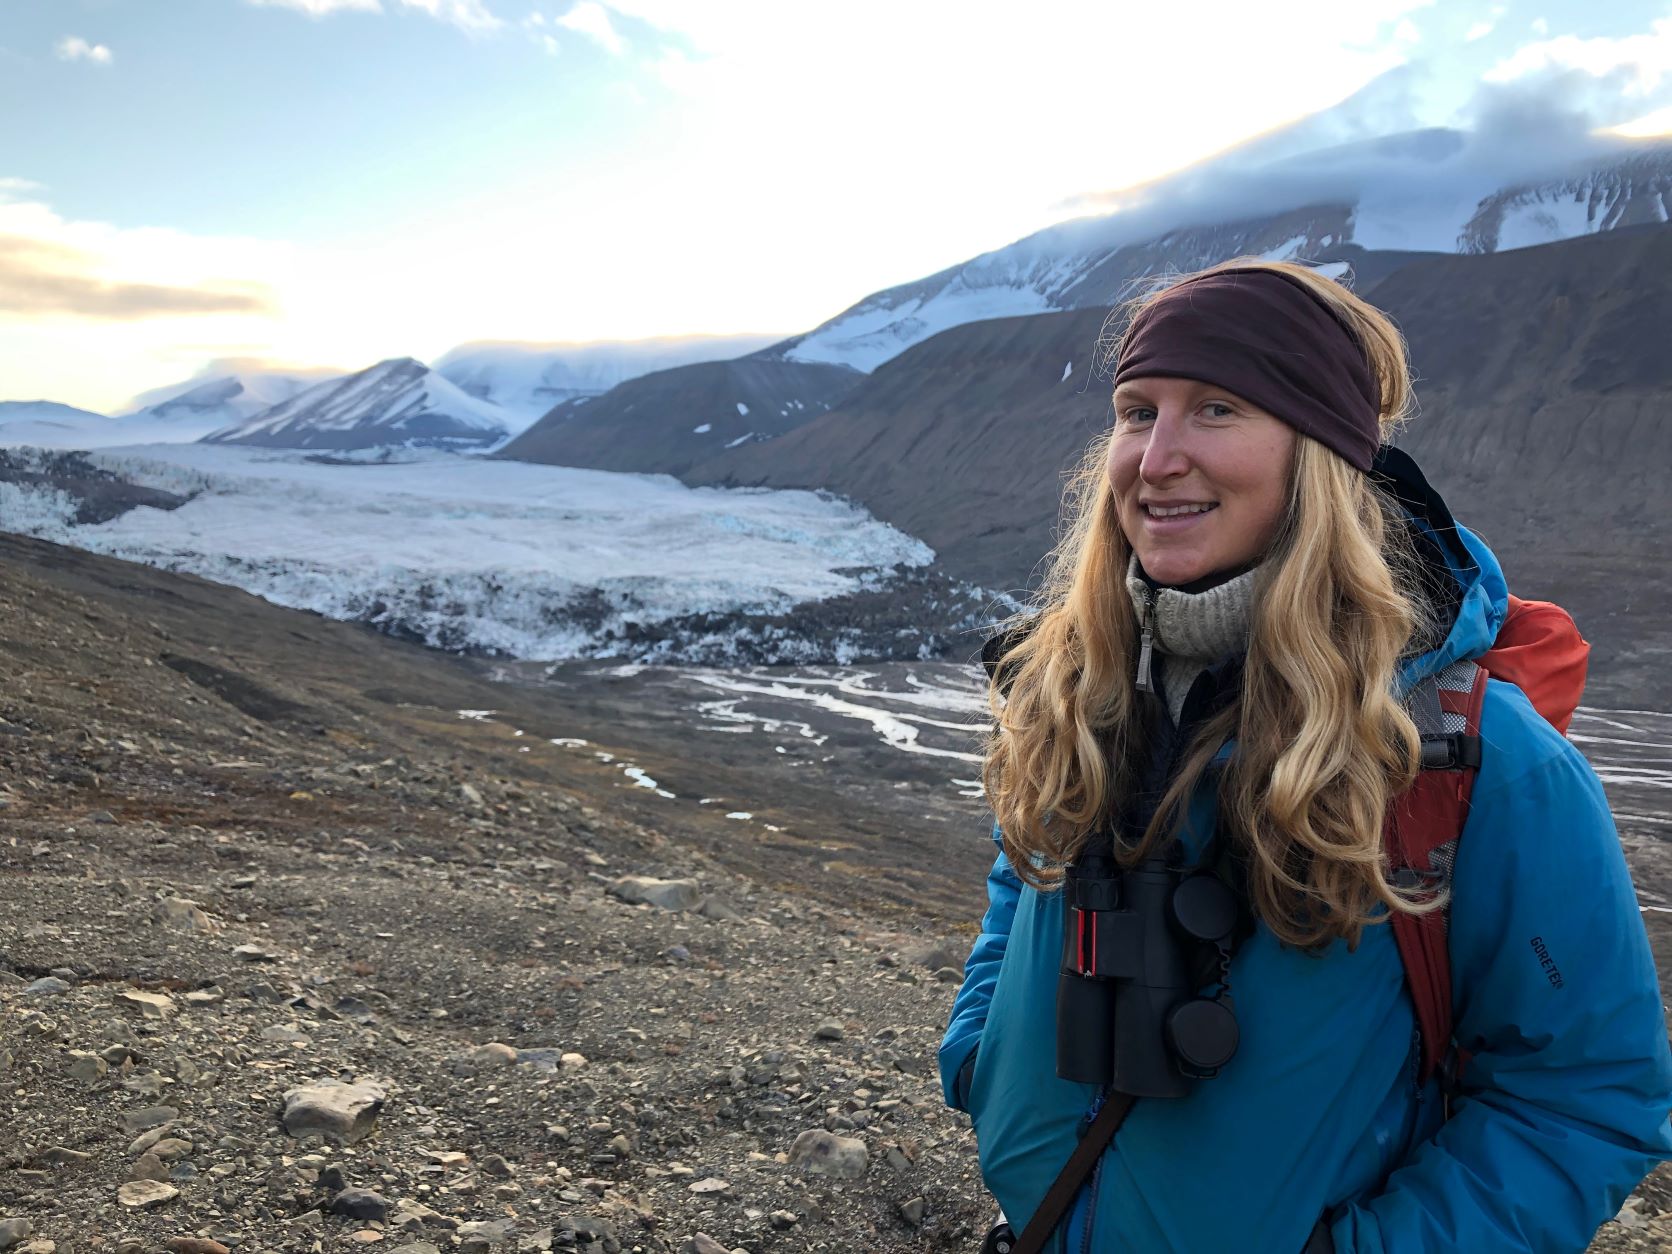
x: 1152, y: 510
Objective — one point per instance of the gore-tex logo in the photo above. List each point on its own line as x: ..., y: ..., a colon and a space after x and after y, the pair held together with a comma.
x: 1547, y: 962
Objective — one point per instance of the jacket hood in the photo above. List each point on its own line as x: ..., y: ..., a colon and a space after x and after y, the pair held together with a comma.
x: 1461, y: 575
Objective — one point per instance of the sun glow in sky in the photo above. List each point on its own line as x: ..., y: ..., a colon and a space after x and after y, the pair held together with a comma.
x: 331, y: 182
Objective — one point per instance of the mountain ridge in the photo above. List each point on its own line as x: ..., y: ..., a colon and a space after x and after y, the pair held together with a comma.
x: 396, y: 401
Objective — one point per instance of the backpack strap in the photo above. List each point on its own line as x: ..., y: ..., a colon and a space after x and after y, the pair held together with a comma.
x: 1420, y: 839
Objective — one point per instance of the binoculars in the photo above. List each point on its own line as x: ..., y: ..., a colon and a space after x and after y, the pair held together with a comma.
x: 1137, y: 946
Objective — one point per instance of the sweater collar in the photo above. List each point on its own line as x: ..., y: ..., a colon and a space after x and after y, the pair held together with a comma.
x: 1209, y: 624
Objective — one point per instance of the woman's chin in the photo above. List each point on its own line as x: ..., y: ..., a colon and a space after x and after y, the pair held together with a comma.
x: 1173, y: 569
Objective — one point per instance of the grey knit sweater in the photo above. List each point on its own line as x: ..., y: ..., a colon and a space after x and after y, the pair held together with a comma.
x: 1192, y: 630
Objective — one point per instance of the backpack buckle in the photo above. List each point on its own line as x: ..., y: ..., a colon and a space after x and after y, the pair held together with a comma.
x: 1451, y: 753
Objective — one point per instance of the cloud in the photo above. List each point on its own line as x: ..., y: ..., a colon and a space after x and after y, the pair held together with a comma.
x: 320, y: 8
x: 1641, y: 61
x: 75, y: 48
x: 469, y: 15
x: 39, y: 278
x: 248, y: 362
x: 593, y: 20
x: 93, y: 272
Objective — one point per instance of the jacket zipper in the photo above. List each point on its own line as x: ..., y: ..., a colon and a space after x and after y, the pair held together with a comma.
x: 1091, y: 1205
x: 1146, y: 643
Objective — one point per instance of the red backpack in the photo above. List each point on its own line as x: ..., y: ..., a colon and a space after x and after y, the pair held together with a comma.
x: 1540, y: 651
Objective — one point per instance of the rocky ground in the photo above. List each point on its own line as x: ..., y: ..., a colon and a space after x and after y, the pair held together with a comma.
x: 294, y: 958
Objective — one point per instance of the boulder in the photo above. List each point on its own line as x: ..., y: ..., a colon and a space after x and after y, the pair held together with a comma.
x: 663, y: 894
x: 826, y: 1154
x: 344, y: 1112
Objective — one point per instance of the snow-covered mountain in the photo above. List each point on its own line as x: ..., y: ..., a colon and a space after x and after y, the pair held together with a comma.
x: 190, y: 411
x: 1426, y: 191
x: 396, y: 402
x: 526, y: 380
x: 47, y: 424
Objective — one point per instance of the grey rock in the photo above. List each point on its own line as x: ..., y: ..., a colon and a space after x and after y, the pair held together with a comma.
x: 145, y: 1140
x: 702, y: 1243
x: 933, y: 956
x: 718, y: 909
x: 829, y: 1030
x: 63, y: 1156
x: 14, y: 1230
x: 147, y: 1117
x: 149, y: 1167
x: 345, y: 1112
x: 144, y: 1194
x: 663, y: 894
x: 46, y: 986
x: 483, y: 1058
x: 185, y: 916
x: 783, y: 1219
x: 362, y: 1204
x: 171, y: 1148
x: 913, y: 1209
x: 483, y: 1235
x: 545, y: 1058
x: 414, y: 1214
x: 86, y: 1066
x: 355, y: 1010
x: 494, y: 1165
x: 826, y: 1154
x: 139, y: 1005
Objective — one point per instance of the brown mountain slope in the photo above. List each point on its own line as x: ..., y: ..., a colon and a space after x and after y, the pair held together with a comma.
x: 959, y: 440
x: 668, y: 421
x: 1543, y: 378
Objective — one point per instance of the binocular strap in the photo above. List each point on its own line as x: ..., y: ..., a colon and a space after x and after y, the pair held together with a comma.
x: 1060, y: 1196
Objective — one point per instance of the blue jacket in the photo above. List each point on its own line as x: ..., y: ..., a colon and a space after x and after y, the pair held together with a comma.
x: 1565, y: 1098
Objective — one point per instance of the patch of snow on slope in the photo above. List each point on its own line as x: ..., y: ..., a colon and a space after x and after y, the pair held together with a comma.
x: 1542, y: 220
x: 871, y: 335
x: 742, y: 409
x: 48, y: 424
x: 702, y: 430
x: 462, y: 553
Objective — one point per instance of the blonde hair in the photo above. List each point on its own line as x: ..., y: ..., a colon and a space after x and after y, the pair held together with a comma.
x: 1322, y: 742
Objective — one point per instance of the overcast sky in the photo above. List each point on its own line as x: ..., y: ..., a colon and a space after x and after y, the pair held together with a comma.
x: 330, y: 182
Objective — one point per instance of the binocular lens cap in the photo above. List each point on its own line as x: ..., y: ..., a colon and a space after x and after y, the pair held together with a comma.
x: 1204, y: 907
x: 1203, y: 1033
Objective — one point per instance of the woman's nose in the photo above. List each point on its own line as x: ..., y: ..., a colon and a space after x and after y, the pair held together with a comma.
x: 1165, y: 455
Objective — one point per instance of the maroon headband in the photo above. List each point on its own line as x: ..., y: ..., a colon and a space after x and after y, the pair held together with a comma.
x: 1264, y: 336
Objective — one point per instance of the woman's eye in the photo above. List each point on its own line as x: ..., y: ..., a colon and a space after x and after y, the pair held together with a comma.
x: 1218, y: 409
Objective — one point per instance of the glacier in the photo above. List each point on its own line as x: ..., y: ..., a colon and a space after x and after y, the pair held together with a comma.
x: 493, y: 557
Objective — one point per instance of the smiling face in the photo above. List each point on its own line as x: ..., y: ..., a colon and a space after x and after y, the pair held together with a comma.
x: 1200, y: 477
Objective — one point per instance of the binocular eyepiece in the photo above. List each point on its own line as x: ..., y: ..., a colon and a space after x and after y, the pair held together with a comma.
x: 1129, y: 1013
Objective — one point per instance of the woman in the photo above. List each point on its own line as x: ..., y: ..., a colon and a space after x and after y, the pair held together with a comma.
x: 1253, y: 587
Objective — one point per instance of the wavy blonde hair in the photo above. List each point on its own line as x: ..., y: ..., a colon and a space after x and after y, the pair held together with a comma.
x: 1322, y: 742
